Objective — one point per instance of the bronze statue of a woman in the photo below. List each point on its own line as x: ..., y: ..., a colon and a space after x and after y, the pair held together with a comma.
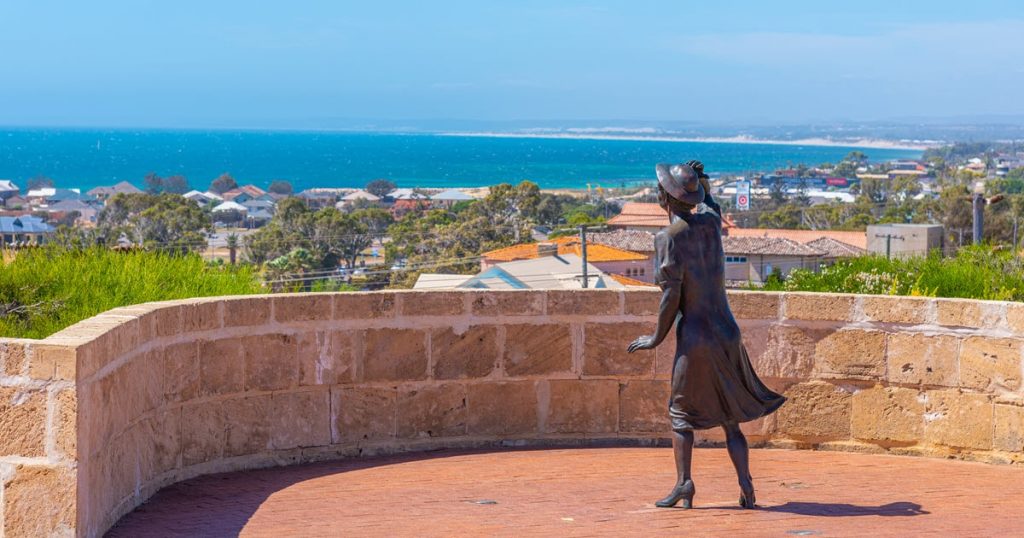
x: 713, y: 383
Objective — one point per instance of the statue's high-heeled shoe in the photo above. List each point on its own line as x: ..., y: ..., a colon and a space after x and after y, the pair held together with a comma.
x: 747, y: 499
x: 682, y: 492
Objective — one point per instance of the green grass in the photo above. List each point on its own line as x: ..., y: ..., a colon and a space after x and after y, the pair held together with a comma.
x: 45, y: 290
x: 974, y: 273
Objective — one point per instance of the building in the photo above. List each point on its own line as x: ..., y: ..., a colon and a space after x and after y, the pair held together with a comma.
x: 857, y: 239
x: 834, y: 249
x: 449, y: 198
x: 357, y: 197
x: 204, y: 199
x: 551, y: 272
x: 905, y: 240
x: 23, y: 230
x: 87, y: 213
x: 320, y: 198
x: 754, y: 259
x: 105, y: 193
x: 8, y: 189
x: 648, y: 217
x: 610, y: 260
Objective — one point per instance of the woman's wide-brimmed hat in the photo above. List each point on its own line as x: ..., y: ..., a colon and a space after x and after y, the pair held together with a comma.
x: 681, y: 182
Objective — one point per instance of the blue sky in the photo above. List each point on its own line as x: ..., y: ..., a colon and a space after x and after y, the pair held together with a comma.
x: 224, y: 63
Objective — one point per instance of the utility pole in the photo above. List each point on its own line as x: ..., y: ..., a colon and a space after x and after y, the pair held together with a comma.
x: 979, y: 217
x: 888, y: 243
x: 583, y: 254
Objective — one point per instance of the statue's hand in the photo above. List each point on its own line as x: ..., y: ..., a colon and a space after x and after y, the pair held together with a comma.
x: 644, y: 342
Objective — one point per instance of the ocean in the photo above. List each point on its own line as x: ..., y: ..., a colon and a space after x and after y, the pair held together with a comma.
x: 86, y: 158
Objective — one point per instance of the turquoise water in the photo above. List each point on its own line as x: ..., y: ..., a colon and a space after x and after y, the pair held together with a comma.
x: 88, y: 158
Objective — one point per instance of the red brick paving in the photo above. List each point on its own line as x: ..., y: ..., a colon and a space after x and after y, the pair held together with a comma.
x: 592, y: 492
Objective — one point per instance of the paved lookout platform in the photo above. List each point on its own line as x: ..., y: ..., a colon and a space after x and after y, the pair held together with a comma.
x: 591, y: 492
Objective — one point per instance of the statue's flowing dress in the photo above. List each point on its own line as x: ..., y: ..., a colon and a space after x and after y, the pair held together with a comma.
x: 713, y: 382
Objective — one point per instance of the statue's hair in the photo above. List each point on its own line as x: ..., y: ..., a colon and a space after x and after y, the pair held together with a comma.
x: 666, y: 201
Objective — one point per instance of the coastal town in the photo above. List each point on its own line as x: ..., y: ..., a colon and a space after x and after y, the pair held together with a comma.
x: 798, y: 218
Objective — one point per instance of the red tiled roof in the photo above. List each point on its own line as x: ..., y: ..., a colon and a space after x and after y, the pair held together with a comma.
x: 834, y: 248
x: 768, y: 246
x: 857, y: 239
x: 626, y: 281
x: 566, y: 245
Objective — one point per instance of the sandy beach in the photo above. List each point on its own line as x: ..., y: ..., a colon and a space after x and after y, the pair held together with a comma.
x: 867, y: 143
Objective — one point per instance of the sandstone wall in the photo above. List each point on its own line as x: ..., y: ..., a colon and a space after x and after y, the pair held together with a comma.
x: 167, y: 391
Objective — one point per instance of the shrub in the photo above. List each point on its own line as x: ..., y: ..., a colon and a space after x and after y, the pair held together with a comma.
x: 977, y: 272
x: 44, y: 290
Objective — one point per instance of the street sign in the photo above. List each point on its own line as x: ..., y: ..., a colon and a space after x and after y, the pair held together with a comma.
x: 743, y: 195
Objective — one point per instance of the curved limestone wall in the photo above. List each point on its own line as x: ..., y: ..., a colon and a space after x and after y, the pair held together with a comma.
x: 140, y: 397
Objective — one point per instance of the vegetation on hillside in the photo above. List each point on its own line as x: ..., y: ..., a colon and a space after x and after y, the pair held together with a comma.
x: 44, y: 290
x: 978, y: 272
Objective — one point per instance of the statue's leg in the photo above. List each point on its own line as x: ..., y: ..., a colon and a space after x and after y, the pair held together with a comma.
x: 682, y: 449
x: 739, y: 453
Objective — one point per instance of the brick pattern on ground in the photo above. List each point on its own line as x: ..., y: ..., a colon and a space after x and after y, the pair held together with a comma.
x: 590, y: 492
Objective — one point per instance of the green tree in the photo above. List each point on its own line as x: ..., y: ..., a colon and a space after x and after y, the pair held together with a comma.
x: 39, y: 182
x: 223, y: 183
x: 154, y: 183
x: 164, y: 222
x: 280, y: 186
x: 176, y: 184
x: 380, y: 187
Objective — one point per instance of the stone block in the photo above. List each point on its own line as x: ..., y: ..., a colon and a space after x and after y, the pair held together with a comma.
x: 158, y: 443
x: 905, y: 310
x: 967, y: 313
x: 65, y: 429
x: 301, y: 419
x: 271, y: 361
x: 641, y: 302
x: 502, y: 408
x: 50, y: 362
x: 363, y: 413
x: 432, y: 303
x: 583, y: 302
x: 201, y: 315
x: 815, y: 411
x: 1015, y: 318
x: 957, y: 419
x: 507, y: 303
x: 247, y: 312
x: 22, y: 422
x: 643, y: 406
x: 364, y: 305
x: 922, y: 359
x: 13, y: 356
x: 1008, y: 424
x: 582, y: 406
x: 435, y: 411
x: 604, y: 349
x: 888, y: 415
x: 221, y: 367
x: 786, y: 351
x: 181, y: 372
x: 145, y: 390
x: 537, y: 349
x: 464, y: 353
x: 327, y: 357
x: 248, y: 423
x: 291, y: 308
x: 167, y: 321
x: 394, y: 355
x: 852, y: 352
x: 202, y: 432
x: 989, y: 363
x: 754, y: 305
x: 40, y: 501
x: 819, y: 306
